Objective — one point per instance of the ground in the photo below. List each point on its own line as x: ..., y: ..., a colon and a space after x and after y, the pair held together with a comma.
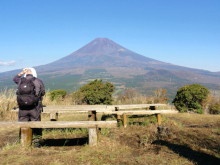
x: 182, y: 139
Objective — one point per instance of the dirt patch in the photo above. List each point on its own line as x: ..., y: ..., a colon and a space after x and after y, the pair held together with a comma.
x: 142, y: 136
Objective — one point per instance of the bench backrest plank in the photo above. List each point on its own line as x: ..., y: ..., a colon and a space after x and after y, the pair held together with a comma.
x: 141, y: 112
x: 78, y: 108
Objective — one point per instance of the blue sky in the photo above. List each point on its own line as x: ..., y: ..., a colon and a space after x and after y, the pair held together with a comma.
x: 181, y: 32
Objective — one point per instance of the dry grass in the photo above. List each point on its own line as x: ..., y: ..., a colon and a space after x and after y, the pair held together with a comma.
x: 186, y: 139
x: 7, y: 103
x: 67, y: 101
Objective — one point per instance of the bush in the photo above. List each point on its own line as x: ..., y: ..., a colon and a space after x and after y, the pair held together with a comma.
x: 214, y: 108
x: 77, y: 97
x: 190, y: 98
x: 57, y: 94
x: 96, y: 92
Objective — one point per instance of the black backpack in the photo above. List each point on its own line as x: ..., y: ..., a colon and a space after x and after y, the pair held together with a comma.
x: 26, y: 97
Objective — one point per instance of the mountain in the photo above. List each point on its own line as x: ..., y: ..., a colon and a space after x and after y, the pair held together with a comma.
x: 102, y: 53
x: 104, y: 59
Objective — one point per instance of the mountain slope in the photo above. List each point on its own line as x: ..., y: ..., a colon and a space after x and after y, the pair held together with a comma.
x: 105, y: 59
x: 101, y: 52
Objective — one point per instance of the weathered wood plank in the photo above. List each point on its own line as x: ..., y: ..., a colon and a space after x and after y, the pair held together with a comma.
x: 101, y: 107
x: 60, y: 124
x: 140, y: 112
x: 104, y: 106
x: 65, y: 111
x: 69, y: 109
x: 58, y: 108
x: 137, y: 106
x: 114, y: 112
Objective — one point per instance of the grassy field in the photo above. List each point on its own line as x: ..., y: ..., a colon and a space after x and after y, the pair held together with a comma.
x: 183, y: 139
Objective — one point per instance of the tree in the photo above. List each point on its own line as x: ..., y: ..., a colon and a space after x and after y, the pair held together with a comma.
x: 97, y: 92
x: 190, y: 98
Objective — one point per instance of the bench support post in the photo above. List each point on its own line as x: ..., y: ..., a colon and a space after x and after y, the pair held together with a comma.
x: 124, y: 120
x: 152, y: 107
x: 92, y: 116
x: 93, y: 138
x: 158, y: 119
x: 118, y: 117
x: 93, y: 135
x: 26, y: 136
x: 54, y: 116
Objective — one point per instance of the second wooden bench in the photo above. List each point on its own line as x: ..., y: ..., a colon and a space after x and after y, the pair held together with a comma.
x: 27, y: 135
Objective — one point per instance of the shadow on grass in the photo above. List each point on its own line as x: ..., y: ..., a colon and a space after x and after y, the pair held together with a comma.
x: 64, y: 142
x: 197, y: 157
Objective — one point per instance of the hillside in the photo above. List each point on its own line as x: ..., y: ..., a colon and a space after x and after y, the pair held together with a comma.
x: 107, y: 60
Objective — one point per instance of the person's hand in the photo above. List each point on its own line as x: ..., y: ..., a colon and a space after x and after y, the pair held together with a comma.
x: 22, y: 72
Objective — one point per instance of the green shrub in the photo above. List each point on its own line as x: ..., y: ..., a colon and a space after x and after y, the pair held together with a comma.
x: 77, y: 97
x: 214, y: 108
x: 190, y: 98
x: 96, y: 92
x: 57, y: 94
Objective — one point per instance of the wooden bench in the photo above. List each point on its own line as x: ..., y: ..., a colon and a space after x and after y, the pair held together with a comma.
x: 102, y: 107
x: 54, y: 111
x: 27, y: 135
x: 125, y: 114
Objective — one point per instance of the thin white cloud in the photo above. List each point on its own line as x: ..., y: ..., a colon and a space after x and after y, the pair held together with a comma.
x: 7, y: 63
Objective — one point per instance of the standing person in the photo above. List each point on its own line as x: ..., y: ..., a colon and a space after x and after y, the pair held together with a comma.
x: 30, y: 93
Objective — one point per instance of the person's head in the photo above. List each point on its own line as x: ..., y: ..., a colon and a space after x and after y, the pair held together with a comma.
x: 31, y: 71
x: 28, y: 71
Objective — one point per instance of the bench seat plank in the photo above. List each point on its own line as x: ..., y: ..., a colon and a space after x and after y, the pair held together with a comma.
x: 60, y: 124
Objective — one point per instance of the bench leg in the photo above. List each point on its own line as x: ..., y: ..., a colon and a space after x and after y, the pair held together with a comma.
x: 26, y: 136
x: 158, y: 119
x: 152, y: 108
x: 92, y: 116
x: 118, y: 117
x: 93, y: 137
x: 124, y: 120
x: 54, y: 116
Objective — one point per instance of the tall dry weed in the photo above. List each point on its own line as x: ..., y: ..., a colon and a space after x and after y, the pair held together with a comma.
x: 7, y: 103
x: 67, y: 100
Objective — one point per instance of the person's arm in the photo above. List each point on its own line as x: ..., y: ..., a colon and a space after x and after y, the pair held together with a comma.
x: 17, y: 77
x: 42, y: 88
x: 39, y: 87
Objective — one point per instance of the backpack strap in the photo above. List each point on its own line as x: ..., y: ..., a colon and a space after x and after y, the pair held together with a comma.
x: 33, y: 79
x: 19, y: 83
